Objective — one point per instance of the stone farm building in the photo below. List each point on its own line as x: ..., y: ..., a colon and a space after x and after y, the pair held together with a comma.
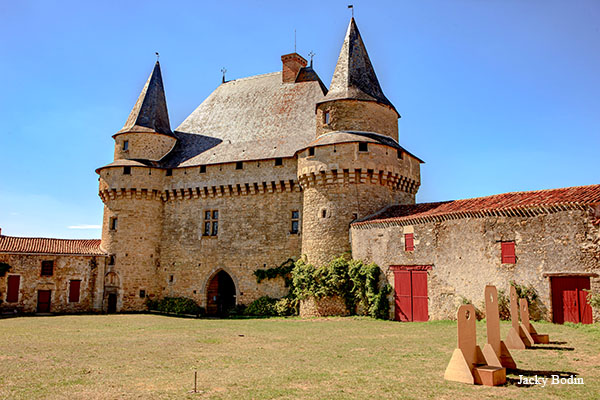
x: 276, y: 166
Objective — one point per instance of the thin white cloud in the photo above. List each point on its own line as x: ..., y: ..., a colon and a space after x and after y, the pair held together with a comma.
x: 85, y: 227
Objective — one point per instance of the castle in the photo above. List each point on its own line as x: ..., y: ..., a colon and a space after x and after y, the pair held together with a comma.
x: 276, y: 166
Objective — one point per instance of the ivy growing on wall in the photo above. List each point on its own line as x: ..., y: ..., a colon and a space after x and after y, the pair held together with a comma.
x: 4, y: 268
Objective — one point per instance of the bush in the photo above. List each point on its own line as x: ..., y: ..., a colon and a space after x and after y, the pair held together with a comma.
x: 175, y: 305
x: 4, y: 268
x: 286, y: 306
x: 593, y: 299
x: 526, y: 292
x: 262, y: 307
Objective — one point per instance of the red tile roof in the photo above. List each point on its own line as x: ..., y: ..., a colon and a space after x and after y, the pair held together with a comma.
x: 506, y: 204
x: 13, y: 244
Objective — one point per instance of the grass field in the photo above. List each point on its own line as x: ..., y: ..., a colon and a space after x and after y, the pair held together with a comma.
x: 151, y: 357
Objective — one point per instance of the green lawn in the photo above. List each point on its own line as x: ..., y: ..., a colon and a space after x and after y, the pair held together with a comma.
x: 151, y: 356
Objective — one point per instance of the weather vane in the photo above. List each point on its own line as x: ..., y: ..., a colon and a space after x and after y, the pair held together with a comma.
x: 351, y: 7
x: 157, y: 55
x: 223, y: 70
x: 311, y: 55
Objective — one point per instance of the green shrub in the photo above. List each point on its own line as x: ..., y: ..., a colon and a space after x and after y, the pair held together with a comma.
x: 286, y: 306
x: 4, y: 268
x: 593, y: 299
x: 175, y: 305
x: 262, y: 307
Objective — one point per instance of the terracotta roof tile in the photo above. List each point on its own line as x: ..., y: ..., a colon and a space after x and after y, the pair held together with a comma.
x: 14, y: 244
x: 515, y: 203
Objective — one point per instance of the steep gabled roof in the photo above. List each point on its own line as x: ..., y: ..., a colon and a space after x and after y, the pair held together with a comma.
x: 14, y: 244
x: 354, y: 76
x: 249, y: 119
x: 149, y: 114
x: 506, y: 204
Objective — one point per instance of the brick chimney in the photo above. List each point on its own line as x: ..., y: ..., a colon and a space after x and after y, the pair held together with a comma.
x: 291, y: 65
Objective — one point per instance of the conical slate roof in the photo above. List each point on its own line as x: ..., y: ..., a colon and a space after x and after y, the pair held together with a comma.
x: 354, y: 76
x: 150, y: 111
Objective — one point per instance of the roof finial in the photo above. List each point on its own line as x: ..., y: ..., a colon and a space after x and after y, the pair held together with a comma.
x: 311, y: 55
x: 223, y: 70
x: 294, y: 40
x: 157, y: 56
x: 351, y: 7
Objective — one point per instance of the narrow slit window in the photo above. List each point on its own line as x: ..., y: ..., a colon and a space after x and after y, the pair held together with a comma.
x: 400, y: 154
x: 324, y: 213
x: 113, y: 223
x: 125, y: 145
x: 409, y: 242
x: 203, y: 169
x: 326, y: 118
x: 311, y: 151
x: 142, y: 294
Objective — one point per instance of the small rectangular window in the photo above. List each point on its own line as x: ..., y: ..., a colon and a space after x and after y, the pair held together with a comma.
x: 169, y: 172
x: 125, y: 145
x: 126, y: 170
x: 311, y: 151
x: 326, y: 117
x: 295, y: 222
x: 203, y: 169
x: 113, y: 223
x: 239, y: 165
x: 409, y: 242
x: 142, y: 294
x: 278, y: 161
x: 111, y: 260
x: 400, y: 154
x: 47, y: 268
x: 508, y: 253
x: 12, y: 292
x: 74, y: 287
x: 171, y: 277
x: 211, y: 223
x: 363, y: 146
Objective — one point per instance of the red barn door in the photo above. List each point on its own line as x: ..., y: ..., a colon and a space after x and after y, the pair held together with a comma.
x: 410, y: 293
x: 569, y: 299
x: 43, y: 305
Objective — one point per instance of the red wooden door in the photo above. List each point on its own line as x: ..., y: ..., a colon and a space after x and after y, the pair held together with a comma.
x: 43, y: 305
x: 411, y: 301
x: 569, y: 299
x: 419, y: 296
x: 12, y: 295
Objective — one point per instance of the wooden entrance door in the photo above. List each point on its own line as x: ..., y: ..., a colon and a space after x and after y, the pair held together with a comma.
x: 43, y: 303
x: 569, y: 299
x: 411, y: 300
x: 112, y: 303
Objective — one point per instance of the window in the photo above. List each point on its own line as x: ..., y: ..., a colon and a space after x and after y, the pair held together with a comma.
x: 324, y: 213
x: 47, y: 268
x: 113, y: 224
x: 169, y: 172
x: 409, y: 242
x: 400, y: 154
x: 311, y: 151
x: 126, y: 170
x: 111, y: 260
x: 211, y: 223
x: 171, y: 277
x: 363, y: 146
x: 326, y: 117
x: 239, y: 165
x: 203, y: 169
x: 142, y: 293
x: 74, y: 287
x: 12, y: 291
x: 278, y: 161
x: 125, y: 145
x: 508, y: 253
x: 295, y: 222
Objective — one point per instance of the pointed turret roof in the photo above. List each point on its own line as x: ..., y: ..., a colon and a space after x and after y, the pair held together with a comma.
x: 354, y: 76
x: 149, y: 114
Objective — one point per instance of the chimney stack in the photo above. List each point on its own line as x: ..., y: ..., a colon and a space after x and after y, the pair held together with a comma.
x: 291, y: 65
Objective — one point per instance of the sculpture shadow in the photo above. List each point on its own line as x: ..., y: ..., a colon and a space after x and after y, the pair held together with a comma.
x: 556, y: 342
x: 533, y: 373
x: 544, y: 347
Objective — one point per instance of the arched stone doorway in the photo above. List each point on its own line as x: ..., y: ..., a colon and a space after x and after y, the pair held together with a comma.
x: 220, y: 294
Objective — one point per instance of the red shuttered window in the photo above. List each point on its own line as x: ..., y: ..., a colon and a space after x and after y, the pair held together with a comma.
x: 409, y: 242
x: 74, y: 291
x: 12, y: 295
x: 508, y: 253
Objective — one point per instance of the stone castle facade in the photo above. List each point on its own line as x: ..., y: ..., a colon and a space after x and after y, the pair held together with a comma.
x: 277, y: 166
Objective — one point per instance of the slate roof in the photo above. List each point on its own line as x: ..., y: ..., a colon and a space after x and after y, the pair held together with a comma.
x: 506, y: 204
x: 358, y: 136
x: 249, y: 119
x: 354, y: 76
x: 149, y: 114
x: 14, y: 244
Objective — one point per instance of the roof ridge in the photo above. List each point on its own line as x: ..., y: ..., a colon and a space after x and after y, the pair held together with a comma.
x: 252, y: 77
x: 39, y: 237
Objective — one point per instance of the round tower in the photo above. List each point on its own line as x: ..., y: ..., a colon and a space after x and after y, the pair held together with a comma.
x: 131, y: 189
x: 355, y: 166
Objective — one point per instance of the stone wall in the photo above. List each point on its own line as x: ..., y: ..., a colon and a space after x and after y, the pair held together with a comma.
x: 465, y: 254
x: 323, y: 307
x: 66, y: 268
x: 143, y: 145
x: 357, y: 115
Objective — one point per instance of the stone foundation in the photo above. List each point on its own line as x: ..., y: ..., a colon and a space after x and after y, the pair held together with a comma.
x: 323, y: 307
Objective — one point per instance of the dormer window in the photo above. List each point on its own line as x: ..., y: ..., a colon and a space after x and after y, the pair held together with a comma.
x: 125, y: 145
x: 326, y: 118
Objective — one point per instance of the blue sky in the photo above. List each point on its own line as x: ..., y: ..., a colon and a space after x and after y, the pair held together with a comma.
x: 495, y: 95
